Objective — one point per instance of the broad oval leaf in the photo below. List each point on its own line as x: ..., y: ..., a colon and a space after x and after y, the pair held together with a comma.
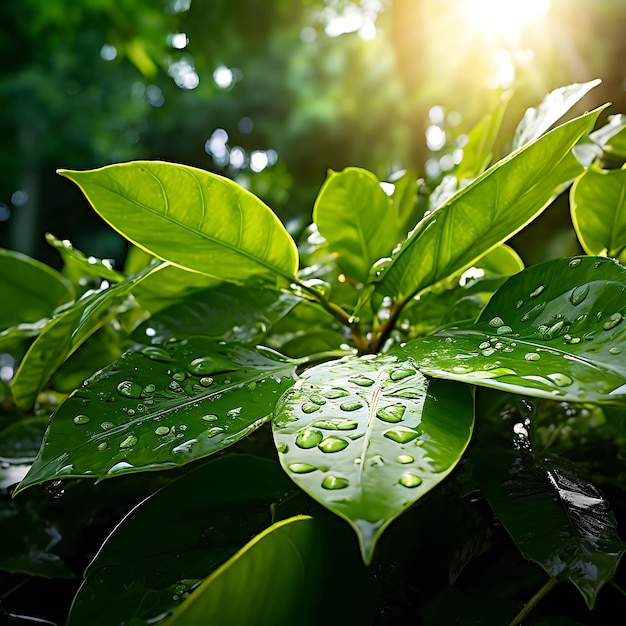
x: 29, y: 289
x: 368, y: 436
x: 355, y: 216
x: 492, y: 208
x: 211, y: 224
x: 160, y: 407
x: 598, y: 205
x: 555, y: 330
x: 556, y: 518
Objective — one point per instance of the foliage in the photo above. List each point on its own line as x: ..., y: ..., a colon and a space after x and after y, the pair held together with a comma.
x: 398, y: 363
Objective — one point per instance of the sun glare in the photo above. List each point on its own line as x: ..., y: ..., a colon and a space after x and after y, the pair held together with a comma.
x: 505, y: 18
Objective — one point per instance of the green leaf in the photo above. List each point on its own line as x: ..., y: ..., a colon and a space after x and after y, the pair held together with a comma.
x: 488, y: 211
x: 160, y: 407
x: 212, y: 225
x: 64, y: 333
x: 166, y: 545
x: 478, y: 151
x: 537, y: 121
x: 555, y: 330
x: 598, y: 205
x: 354, y: 215
x: 555, y: 517
x: 30, y: 290
x: 368, y: 436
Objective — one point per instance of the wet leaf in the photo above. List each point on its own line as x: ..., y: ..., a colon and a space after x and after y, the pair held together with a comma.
x: 65, y: 332
x: 171, y: 541
x: 33, y: 289
x: 555, y: 517
x: 598, y: 205
x: 368, y: 436
x: 484, y: 214
x: 213, y: 226
x: 562, y: 338
x: 159, y: 407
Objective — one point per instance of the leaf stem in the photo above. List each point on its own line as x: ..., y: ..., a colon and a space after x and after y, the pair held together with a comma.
x: 530, y: 605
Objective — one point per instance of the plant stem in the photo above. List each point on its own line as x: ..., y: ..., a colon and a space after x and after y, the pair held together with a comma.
x: 530, y: 605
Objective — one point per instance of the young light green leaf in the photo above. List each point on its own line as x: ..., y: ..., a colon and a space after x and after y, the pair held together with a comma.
x: 30, y: 290
x: 191, y: 218
x: 65, y: 332
x: 556, y: 104
x: 491, y: 209
x: 562, y: 338
x: 354, y: 215
x: 368, y: 436
x: 598, y: 206
x: 160, y: 407
x: 555, y: 517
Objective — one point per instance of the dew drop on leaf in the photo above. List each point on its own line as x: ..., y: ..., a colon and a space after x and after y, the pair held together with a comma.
x: 579, y: 294
x: 485, y: 345
x: 333, y: 444
x: 103, y: 446
x: 503, y: 330
x: 350, y: 406
x: 310, y: 407
x: 156, y: 353
x: 309, y: 438
x: 317, y: 398
x: 560, y: 380
x: 401, y: 372
x: 405, y: 459
x: 202, y: 365
x: 574, y: 263
x: 534, y: 312
x: 400, y: 434
x: 496, y: 322
x: 536, y: 292
x: 335, y: 393
x: 81, y: 419
x: 615, y: 350
x: 149, y: 388
x: 206, y: 381
x: 392, y: 413
x: 613, y: 321
x: 410, y: 480
x: 335, y: 482
x: 107, y: 425
x: 214, y: 431
x: 129, y: 389
x: 210, y: 417
x: 519, y: 304
x: 362, y: 381
x: 129, y: 442
x: 282, y: 447
x: 162, y: 430
x: 301, y: 468
x: 532, y: 356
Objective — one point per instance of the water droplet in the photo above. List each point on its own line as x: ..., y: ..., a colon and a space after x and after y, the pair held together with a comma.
x: 103, y: 446
x: 129, y: 389
x: 251, y: 386
x: 335, y: 482
x: 353, y: 405
x: 203, y: 365
x: 333, y: 444
x: 106, y: 425
x: 310, y: 407
x: 460, y: 369
x: 156, y: 353
x: 234, y: 412
x: 206, y: 381
x: 309, y: 438
x: 405, y: 458
x: 129, y: 442
x: 579, y: 294
x: 570, y: 339
x: 554, y: 330
x: 485, y: 345
x: 149, y: 388
x: 335, y: 424
x: 362, y: 381
x: 179, y: 376
x: 574, y: 263
x: 162, y: 430
x: 214, y: 431
x: 560, y: 380
x: 210, y: 417
x: 301, y: 468
x: 401, y: 434
x: 410, y: 480
x: 401, y: 372
x: 613, y: 321
x: 392, y: 413
x: 488, y: 352
x: 496, y: 322
x: 282, y: 447
x: 81, y: 419
x: 534, y: 312
x: 615, y: 350
x: 335, y: 393
x: 519, y: 304
x: 536, y: 292
x: 130, y: 412
x: 532, y: 356
x: 317, y: 399
x: 412, y: 394
x: 503, y: 330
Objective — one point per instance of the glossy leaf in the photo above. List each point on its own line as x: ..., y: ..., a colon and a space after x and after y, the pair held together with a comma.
x: 213, y: 225
x: 556, y: 104
x: 488, y: 211
x: 561, y: 338
x: 354, y: 215
x: 555, y: 517
x: 32, y: 289
x: 160, y: 407
x: 64, y: 333
x: 172, y: 540
x: 368, y: 436
x: 598, y: 205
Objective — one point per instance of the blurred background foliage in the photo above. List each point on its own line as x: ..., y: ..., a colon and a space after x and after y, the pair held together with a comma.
x: 272, y: 93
